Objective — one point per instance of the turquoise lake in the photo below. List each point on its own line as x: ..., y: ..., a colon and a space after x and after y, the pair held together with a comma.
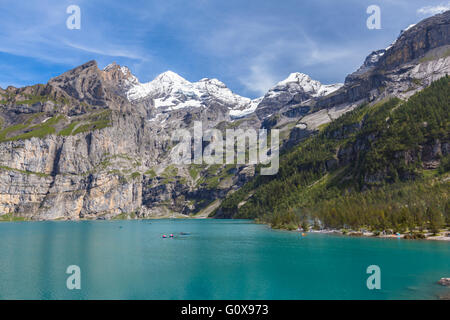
x: 218, y: 259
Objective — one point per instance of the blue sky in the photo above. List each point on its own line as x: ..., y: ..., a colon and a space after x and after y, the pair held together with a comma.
x: 248, y: 44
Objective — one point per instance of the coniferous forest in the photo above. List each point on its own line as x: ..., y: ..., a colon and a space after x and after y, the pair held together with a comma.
x: 381, y: 167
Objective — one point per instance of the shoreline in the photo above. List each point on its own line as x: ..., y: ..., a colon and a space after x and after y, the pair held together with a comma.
x: 350, y: 233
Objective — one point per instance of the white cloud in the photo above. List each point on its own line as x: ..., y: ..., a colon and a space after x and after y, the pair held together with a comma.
x: 432, y: 10
x: 266, y: 52
x: 263, y: 71
x: 258, y: 48
x: 259, y: 78
x: 110, y: 52
x: 42, y: 34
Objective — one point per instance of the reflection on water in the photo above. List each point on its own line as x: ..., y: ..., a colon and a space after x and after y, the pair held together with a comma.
x: 210, y: 259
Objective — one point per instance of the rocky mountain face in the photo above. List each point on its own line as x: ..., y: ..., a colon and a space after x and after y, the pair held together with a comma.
x: 95, y: 144
x: 291, y: 92
x: 377, y: 160
x: 419, y: 56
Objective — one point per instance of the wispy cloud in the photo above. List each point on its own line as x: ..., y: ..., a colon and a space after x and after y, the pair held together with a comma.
x: 250, y: 45
x: 266, y: 51
x: 259, y: 77
x: 432, y: 10
x: 108, y: 51
x: 37, y: 30
x: 263, y: 72
x: 40, y: 32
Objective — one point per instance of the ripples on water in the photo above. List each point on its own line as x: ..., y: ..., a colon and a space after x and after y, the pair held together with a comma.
x: 210, y: 259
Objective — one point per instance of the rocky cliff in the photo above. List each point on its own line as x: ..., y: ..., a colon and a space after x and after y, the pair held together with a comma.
x: 95, y: 144
x: 419, y: 56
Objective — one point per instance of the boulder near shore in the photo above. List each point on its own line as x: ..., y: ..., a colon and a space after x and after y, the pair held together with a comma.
x: 444, y: 282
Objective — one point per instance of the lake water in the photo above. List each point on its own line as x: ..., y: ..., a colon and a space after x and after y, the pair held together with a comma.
x: 218, y: 259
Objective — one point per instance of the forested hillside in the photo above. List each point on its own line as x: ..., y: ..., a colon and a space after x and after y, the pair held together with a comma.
x: 382, y: 166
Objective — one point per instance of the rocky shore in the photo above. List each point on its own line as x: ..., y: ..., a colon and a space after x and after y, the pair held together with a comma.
x: 443, y: 236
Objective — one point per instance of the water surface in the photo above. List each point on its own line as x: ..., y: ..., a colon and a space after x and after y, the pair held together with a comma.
x: 218, y: 259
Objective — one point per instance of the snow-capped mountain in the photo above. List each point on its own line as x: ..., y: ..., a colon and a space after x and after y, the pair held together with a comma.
x: 303, y: 83
x: 297, y: 88
x: 170, y: 91
x: 368, y: 65
x: 105, y: 157
x: 248, y: 109
x: 121, y: 77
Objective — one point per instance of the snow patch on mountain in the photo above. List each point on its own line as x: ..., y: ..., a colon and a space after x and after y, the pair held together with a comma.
x: 303, y: 82
x: 374, y: 57
x: 249, y: 109
x: 401, y: 32
x: 409, y: 27
x: 122, y: 76
x: 171, y: 91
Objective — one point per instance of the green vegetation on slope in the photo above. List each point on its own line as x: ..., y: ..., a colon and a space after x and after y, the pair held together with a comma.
x: 364, y: 169
x: 93, y: 122
x: 24, y: 172
x: 39, y: 130
x: 11, y: 217
x: 67, y: 131
x: 59, y: 124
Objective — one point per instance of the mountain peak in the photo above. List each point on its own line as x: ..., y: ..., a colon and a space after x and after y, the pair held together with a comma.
x: 111, y: 66
x: 84, y: 83
x: 114, y: 67
x: 170, y: 90
x: 295, y: 89
x: 303, y: 82
x: 170, y: 77
x: 296, y: 77
x: 119, y: 77
x: 121, y: 71
x: 214, y: 82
